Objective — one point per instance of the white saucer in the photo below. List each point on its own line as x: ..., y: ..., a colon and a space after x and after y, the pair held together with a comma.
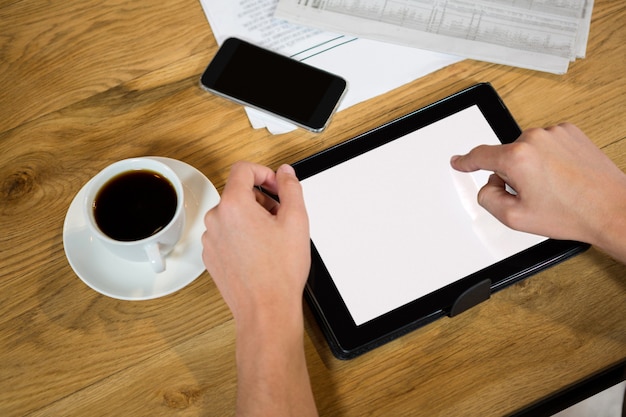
x: 126, y: 280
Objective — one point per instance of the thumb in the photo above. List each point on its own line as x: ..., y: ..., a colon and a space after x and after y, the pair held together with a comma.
x: 499, y: 202
x: 289, y: 191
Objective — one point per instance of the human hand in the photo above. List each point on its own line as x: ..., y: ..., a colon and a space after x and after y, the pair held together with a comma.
x: 256, y: 250
x: 566, y: 187
x: 259, y: 254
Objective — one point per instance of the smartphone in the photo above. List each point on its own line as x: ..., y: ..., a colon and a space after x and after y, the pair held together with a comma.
x: 265, y: 80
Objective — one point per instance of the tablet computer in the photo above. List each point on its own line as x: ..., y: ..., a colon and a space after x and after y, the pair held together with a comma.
x: 397, y: 236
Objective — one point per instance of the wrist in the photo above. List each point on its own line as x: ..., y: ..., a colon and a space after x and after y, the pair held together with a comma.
x: 611, y: 239
x: 271, y: 364
x: 270, y: 325
x: 610, y: 228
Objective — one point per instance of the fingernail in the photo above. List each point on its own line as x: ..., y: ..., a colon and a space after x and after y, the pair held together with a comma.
x: 454, y: 158
x: 287, y: 169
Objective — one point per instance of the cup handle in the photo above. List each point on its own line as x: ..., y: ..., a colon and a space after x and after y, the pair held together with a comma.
x: 156, y: 258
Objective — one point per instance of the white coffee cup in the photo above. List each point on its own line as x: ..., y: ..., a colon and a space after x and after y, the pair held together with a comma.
x: 121, y: 204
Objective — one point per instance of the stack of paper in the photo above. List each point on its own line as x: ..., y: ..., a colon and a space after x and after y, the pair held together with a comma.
x: 370, y: 67
x: 543, y: 35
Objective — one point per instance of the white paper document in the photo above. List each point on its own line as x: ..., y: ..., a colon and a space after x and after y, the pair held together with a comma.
x: 371, y: 67
x: 543, y: 35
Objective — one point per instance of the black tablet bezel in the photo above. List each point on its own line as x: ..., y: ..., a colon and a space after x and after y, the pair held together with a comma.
x: 348, y: 340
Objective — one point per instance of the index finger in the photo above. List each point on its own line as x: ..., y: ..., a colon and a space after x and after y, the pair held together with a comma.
x: 244, y: 176
x: 486, y: 157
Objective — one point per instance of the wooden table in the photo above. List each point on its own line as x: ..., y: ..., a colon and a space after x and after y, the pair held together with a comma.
x: 85, y: 83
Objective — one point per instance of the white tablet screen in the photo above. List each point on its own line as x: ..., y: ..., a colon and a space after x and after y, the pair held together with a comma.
x: 397, y: 223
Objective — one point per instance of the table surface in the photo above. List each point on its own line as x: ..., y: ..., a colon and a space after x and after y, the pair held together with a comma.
x: 86, y: 83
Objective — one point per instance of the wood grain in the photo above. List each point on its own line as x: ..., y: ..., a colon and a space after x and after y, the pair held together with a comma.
x: 85, y: 83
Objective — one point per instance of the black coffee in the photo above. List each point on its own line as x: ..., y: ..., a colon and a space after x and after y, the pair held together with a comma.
x: 135, y: 205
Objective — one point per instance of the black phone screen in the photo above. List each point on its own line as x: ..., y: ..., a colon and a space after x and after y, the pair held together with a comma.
x: 275, y: 83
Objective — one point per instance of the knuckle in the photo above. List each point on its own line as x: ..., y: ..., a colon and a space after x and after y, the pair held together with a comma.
x: 511, y: 218
x: 520, y: 151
